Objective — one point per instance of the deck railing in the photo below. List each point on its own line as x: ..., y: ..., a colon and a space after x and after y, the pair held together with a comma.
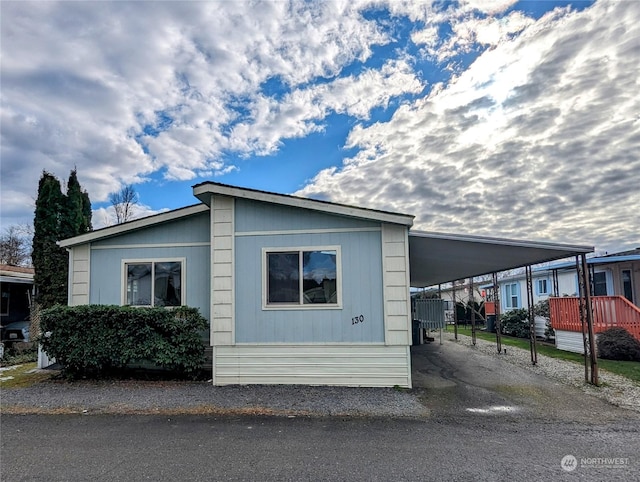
x: 608, y: 311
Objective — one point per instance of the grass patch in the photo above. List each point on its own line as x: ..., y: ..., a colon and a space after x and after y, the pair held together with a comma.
x: 18, y: 376
x: 628, y: 369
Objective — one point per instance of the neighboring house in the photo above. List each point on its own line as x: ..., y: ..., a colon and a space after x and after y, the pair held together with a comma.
x: 297, y: 291
x: 513, y: 289
x: 616, y: 274
x: 16, y: 288
x: 615, y: 290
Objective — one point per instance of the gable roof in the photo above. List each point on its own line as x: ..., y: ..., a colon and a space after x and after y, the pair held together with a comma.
x: 203, y: 191
x: 133, y: 225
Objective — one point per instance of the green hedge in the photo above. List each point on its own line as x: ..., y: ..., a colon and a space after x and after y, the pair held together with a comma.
x: 98, y: 340
x: 515, y: 323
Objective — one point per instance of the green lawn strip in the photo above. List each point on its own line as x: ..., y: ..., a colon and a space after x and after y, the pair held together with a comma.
x: 628, y: 369
x: 19, y: 377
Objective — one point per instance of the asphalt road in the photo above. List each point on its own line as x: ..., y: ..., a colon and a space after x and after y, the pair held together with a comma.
x: 485, y: 420
x: 195, y: 448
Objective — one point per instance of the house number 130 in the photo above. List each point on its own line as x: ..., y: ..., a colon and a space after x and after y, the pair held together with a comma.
x: 357, y: 319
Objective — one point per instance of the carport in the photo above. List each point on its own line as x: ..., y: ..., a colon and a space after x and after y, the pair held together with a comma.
x: 437, y: 258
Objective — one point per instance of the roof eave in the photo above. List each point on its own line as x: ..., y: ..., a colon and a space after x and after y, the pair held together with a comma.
x: 570, y: 248
x: 204, y: 191
x: 132, y: 225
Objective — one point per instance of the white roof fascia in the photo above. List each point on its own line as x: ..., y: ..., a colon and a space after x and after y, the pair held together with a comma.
x: 133, y: 225
x: 503, y: 241
x: 13, y: 279
x: 201, y: 191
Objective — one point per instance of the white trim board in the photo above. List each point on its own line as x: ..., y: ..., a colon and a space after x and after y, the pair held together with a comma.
x: 308, y: 231
x: 152, y: 245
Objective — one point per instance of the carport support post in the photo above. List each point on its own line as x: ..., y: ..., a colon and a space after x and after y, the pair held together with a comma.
x: 440, y: 298
x: 589, y: 313
x: 532, y: 317
x: 472, y: 303
x: 583, y: 314
x: 496, y: 302
x: 455, y: 312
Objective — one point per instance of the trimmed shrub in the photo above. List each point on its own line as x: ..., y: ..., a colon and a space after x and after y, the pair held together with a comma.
x: 618, y: 344
x: 515, y: 323
x: 97, y: 341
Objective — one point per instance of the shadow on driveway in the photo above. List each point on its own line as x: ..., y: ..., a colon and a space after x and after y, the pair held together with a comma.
x: 457, y: 380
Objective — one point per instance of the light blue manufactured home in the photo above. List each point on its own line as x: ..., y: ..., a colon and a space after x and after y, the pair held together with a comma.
x: 297, y: 291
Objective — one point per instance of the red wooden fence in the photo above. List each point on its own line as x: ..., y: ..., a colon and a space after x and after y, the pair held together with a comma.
x: 608, y: 311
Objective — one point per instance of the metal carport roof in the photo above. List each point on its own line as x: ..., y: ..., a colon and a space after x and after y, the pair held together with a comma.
x: 440, y: 257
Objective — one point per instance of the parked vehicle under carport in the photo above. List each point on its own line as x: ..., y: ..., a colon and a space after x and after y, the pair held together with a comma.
x: 18, y: 331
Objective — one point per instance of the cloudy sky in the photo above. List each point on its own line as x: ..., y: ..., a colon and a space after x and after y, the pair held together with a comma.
x: 500, y: 118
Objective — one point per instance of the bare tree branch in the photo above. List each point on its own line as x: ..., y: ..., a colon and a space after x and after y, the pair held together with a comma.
x: 123, y: 203
x: 15, y: 245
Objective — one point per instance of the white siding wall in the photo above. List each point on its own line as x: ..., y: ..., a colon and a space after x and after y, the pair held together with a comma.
x: 567, y: 283
x: 222, y: 266
x: 79, y: 275
x: 397, y: 303
x: 348, y: 365
x: 570, y: 341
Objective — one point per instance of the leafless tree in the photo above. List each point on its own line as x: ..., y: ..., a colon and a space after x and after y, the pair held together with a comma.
x: 123, y: 203
x: 15, y: 245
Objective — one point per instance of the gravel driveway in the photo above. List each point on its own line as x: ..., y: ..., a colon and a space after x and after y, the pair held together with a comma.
x: 452, y: 379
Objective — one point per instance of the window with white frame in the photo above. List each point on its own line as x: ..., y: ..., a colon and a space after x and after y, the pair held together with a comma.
x: 302, y: 277
x: 154, y: 283
x: 543, y: 286
x: 511, y: 295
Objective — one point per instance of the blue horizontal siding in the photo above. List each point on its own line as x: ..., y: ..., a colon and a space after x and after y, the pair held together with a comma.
x: 191, y: 229
x: 362, y: 293
x: 252, y: 216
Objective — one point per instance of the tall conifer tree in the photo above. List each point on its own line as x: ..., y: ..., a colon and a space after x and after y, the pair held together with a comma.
x: 74, y: 219
x: 50, y: 261
x: 57, y: 217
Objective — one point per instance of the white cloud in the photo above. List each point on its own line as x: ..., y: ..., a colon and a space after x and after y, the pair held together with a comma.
x: 121, y: 90
x: 545, y: 117
x: 302, y: 111
x: 537, y: 139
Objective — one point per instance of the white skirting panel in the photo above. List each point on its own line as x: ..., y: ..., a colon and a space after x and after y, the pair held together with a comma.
x: 348, y: 365
x: 43, y: 359
x: 569, y: 341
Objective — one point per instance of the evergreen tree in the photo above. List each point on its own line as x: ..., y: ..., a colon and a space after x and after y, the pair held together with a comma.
x: 57, y: 217
x: 86, y: 212
x: 50, y: 261
x: 75, y: 219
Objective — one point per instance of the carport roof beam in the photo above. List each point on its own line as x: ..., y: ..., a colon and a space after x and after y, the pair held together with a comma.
x: 441, y: 257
